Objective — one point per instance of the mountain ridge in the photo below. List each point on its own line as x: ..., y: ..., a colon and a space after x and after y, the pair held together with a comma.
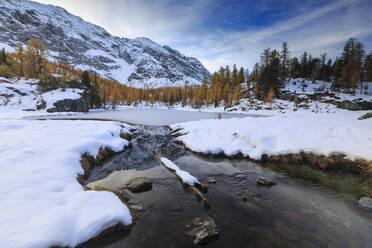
x: 68, y: 38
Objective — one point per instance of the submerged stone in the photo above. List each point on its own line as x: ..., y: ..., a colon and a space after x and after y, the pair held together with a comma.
x: 139, y: 184
x: 366, y: 202
x: 263, y: 181
x: 205, y: 232
x: 211, y: 180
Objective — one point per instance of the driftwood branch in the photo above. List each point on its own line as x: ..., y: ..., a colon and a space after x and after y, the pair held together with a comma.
x: 197, y: 189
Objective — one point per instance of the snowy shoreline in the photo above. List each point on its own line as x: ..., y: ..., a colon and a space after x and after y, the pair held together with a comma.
x: 42, y: 202
x: 323, y: 134
x: 44, y: 205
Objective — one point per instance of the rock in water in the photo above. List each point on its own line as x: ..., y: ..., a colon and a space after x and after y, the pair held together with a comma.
x: 263, y: 181
x: 366, y: 202
x: 139, y: 184
x: 205, y: 232
x: 211, y: 180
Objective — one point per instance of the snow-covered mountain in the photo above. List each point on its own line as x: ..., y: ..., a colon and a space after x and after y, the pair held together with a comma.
x: 87, y: 46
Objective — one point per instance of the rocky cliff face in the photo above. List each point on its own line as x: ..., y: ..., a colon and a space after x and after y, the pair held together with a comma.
x: 70, y: 39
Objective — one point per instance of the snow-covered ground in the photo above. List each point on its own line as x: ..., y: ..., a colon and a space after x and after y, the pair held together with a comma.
x: 321, y: 133
x: 41, y: 202
x: 21, y: 94
x: 43, y: 205
x: 303, y: 89
x: 311, y: 126
x: 302, y: 86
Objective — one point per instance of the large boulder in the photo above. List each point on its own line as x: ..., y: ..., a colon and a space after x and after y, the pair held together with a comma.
x: 68, y: 105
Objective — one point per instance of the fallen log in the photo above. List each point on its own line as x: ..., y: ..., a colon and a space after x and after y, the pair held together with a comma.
x: 197, y: 188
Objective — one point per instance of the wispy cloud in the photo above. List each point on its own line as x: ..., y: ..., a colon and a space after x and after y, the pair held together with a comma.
x: 226, y: 32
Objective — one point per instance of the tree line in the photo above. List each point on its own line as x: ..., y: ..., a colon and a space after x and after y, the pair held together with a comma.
x: 348, y: 70
x: 32, y: 61
x: 353, y: 67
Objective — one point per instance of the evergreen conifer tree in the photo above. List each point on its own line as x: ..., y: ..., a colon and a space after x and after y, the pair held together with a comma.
x: 2, y: 56
x: 284, y: 60
x: 368, y: 68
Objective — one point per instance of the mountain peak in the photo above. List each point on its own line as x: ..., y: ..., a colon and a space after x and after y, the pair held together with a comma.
x: 70, y: 39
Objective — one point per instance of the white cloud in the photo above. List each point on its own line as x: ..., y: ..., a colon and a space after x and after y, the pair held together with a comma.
x: 317, y: 30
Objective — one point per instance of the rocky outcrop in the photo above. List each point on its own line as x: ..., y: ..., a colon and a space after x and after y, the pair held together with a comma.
x: 72, y: 105
x: 365, y: 116
x: 41, y: 105
x: 88, y: 162
x: 69, y: 105
x: 324, y: 97
x: 349, y: 105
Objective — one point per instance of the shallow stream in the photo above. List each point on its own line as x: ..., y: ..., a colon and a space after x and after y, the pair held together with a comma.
x: 293, y: 213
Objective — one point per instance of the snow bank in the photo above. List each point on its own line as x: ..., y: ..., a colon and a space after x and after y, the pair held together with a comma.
x: 53, y: 96
x: 42, y: 204
x: 326, y: 133
x: 184, y: 175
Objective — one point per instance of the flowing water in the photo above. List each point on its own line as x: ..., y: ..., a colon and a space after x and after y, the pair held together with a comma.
x: 293, y: 213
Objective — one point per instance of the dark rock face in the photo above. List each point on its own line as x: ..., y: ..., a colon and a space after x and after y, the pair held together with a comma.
x: 355, y: 105
x: 348, y: 105
x: 76, y: 42
x: 69, y: 105
x: 365, y: 105
x: 139, y: 184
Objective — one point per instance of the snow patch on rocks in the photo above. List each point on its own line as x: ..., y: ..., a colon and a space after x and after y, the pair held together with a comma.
x: 19, y: 94
x: 54, y: 96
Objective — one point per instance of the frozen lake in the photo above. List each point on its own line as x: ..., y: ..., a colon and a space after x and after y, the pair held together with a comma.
x: 151, y: 116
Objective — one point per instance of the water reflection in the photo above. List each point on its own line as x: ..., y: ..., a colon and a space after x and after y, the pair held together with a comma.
x: 152, y: 116
x: 293, y: 213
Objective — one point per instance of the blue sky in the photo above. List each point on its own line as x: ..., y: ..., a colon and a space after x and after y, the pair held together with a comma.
x: 220, y: 32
